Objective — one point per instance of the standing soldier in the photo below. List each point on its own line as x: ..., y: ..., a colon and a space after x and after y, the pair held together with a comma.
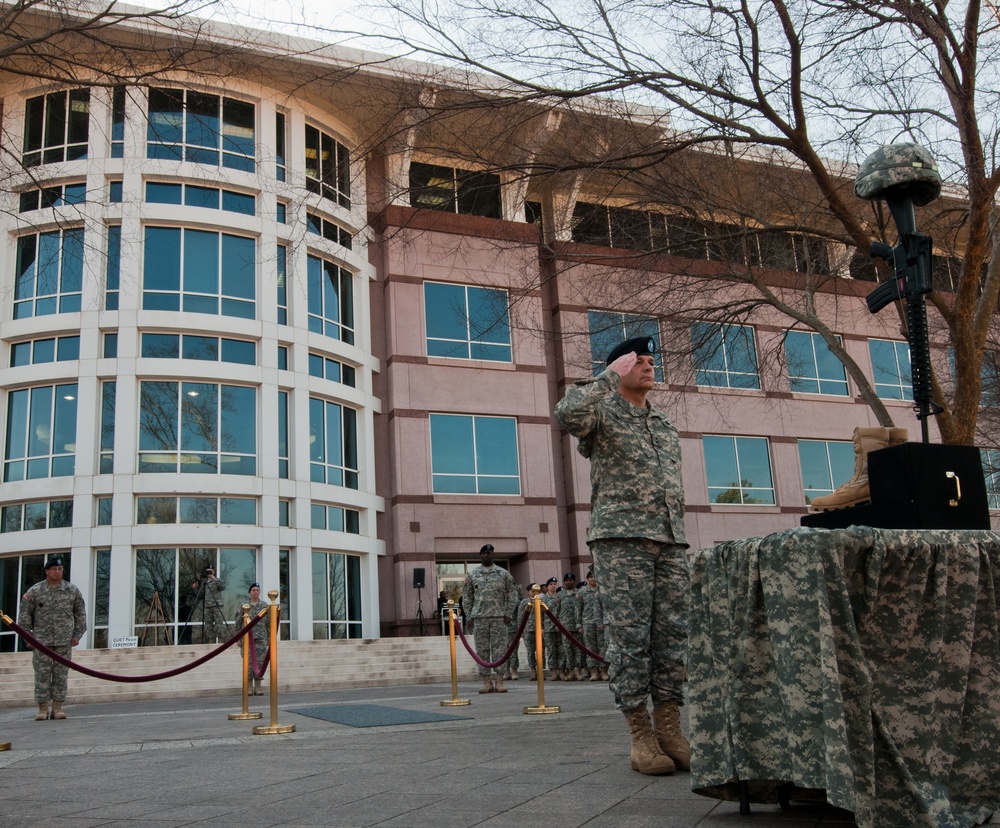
x: 569, y: 616
x: 592, y: 617
x: 208, y: 603
x: 636, y: 537
x: 528, y: 606
x: 261, y: 635
x: 550, y: 635
x: 54, y: 613
x: 490, y: 600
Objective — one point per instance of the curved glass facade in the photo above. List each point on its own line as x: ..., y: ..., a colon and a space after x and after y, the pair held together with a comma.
x: 181, y: 261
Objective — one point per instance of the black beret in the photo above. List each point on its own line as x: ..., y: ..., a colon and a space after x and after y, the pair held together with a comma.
x: 639, y: 345
x: 56, y: 561
x: 569, y: 576
x: 487, y: 547
x: 254, y: 584
x: 552, y: 581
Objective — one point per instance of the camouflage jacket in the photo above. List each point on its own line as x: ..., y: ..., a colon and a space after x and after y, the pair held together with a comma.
x: 569, y: 610
x: 552, y: 602
x: 527, y: 606
x: 54, y: 615
x: 489, y: 592
x: 635, y: 462
x: 591, y: 609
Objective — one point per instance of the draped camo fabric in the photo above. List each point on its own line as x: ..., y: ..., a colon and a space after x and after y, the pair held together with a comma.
x: 864, y: 662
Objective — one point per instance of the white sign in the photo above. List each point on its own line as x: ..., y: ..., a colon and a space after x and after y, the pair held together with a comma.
x: 124, y: 642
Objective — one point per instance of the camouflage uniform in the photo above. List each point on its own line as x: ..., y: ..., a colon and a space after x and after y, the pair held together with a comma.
x: 489, y: 596
x: 528, y: 606
x: 208, y: 609
x: 636, y: 536
x: 550, y: 635
x: 569, y: 615
x: 592, y: 617
x: 55, y: 615
x: 261, y: 634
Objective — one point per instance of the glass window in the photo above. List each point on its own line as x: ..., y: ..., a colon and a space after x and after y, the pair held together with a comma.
x: 185, y: 125
x: 463, y: 322
x: 331, y: 369
x: 891, y: 369
x: 330, y: 299
x: 102, y: 596
x: 171, y: 604
x: 43, y: 514
x: 280, y: 168
x: 56, y: 127
x: 336, y: 587
x: 115, y: 192
x: 319, y: 226
x: 328, y: 167
x: 199, y: 271
x: 41, y: 432
x: 333, y: 443
x: 335, y: 518
x: 455, y: 190
x: 113, y: 268
x: 49, y: 273
x: 110, y: 345
x: 283, y: 435
x: 474, y: 455
x: 206, y: 348
x: 196, y: 427
x: 107, y: 454
x: 37, y: 351
x: 210, y: 510
x: 284, y: 513
x: 281, y: 287
x: 118, y: 122
x: 55, y: 196
x: 826, y: 465
x: 608, y: 329
x: 812, y: 368
x: 104, y: 511
x: 738, y: 470
x: 724, y: 356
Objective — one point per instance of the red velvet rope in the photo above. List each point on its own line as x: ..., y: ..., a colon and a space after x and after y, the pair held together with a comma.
x: 573, y: 640
x: 36, y: 644
x: 258, y: 672
x: 506, y: 655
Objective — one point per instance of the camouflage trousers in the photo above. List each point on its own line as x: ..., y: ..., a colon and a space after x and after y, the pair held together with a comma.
x: 491, y: 641
x: 567, y: 651
x: 514, y: 662
x: 646, y: 595
x: 50, y: 676
x: 551, y: 640
x: 593, y: 639
x: 530, y: 648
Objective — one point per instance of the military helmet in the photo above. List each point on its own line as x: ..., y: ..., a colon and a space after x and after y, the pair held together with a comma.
x: 907, y: 169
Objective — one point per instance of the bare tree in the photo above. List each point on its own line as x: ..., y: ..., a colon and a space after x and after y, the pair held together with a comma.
x: 730, y: 112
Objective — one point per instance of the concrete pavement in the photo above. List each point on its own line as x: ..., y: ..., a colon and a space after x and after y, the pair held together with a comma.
x: 182, y: 762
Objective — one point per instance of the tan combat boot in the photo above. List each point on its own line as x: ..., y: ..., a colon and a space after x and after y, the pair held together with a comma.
x: 647, y: 757
x: 595, y: 674
x: 554, y: 675
x: 513, y: 675
x: 43, y: 712
x: 567, y: 675
x: 667, y: 726
x: 498, y: 685
x: 856, y: 490
x: 534, y: 674
x: 604, y: 674
x: 57, y: 712
x: 487, y: 685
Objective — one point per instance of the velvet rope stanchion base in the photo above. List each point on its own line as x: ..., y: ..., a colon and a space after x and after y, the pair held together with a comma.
x: 4, y: 745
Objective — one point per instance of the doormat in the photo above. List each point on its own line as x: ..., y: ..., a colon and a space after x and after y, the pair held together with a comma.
x: 373, y: 715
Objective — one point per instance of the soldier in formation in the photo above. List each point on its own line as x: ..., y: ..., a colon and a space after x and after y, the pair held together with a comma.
x: 637, y: 541
x: 53, y: 612
x: 490, y: 600
x: 568, y: 614
x: 261, y: 635
x: 526, y: 605
x: 592, y: 617
x: 550, y: 634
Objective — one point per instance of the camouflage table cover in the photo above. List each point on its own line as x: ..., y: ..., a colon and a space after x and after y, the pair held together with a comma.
x: 863, y: 662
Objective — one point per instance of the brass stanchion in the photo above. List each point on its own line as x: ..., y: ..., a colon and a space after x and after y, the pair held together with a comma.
x: 248, y: 642
x: 536, y: 601
x: 454, y: 701
x: 274, y: 727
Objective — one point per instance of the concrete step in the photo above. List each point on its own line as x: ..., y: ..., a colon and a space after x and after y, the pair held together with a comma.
x: 302, y: 665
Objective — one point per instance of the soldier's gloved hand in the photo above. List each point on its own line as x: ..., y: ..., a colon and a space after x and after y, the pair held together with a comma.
x: 624, y: 363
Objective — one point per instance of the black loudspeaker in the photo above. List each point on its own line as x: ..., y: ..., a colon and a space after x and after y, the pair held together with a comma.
x: 418, y: 577
x: 918, y: 486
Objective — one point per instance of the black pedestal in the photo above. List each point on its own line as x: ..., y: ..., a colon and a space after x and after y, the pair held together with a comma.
x: 917, y: 486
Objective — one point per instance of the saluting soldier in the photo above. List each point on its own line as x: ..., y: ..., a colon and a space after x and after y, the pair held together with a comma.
x: 53, y: 612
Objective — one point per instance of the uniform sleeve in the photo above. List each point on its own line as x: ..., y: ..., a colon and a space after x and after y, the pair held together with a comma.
x: 468, y: 597
x: 26, y: 612
x: 79, y: 616
x: 513, y: 597
x: 578, y: 411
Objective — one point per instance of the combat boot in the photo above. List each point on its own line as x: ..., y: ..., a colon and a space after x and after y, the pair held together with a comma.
x: 581, y: 673
x: 498, y: 685
x: 57, y: 712
x: 513, y: 675
x: 856, y: 490
x: 595, y: 674
x: 667, y: 726
x: 506, y: 675
x: 487, y: 685
x: 43, y: 712
x: 534, y: 674
x: 566, y: 675
x: 646, y: 756
x: 604, y: 674
x: 554, y: 675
